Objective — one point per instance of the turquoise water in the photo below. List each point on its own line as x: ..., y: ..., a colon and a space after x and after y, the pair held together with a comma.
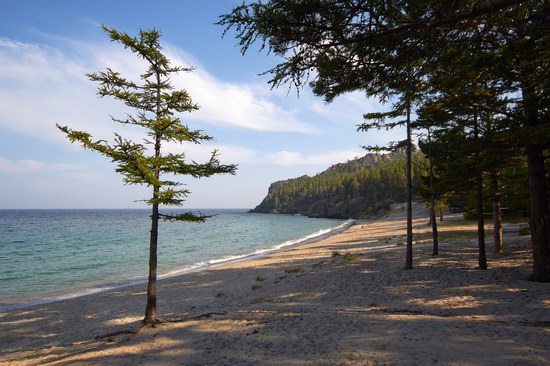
x: 49, y: 255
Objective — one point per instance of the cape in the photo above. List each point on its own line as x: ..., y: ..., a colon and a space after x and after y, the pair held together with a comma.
x: 357, y: 188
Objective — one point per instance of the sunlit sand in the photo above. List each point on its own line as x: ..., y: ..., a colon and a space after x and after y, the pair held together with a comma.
x: 343, y: 300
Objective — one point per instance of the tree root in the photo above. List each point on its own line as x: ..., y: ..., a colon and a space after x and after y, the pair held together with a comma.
x: 124, y: 331
x: 180, y: 320
x: 202, y: 316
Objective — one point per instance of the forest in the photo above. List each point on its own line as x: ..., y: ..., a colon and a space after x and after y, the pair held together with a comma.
x: 357, y: 188
x: 366, y: 186
x: 473, y: 77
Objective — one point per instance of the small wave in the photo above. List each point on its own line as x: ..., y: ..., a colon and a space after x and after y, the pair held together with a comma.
x: 316, y: 235
x: 257, y: 253
x: 68, y: 296
x: 190, y: 268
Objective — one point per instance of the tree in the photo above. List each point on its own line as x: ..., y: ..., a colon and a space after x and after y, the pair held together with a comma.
x: 460, y: 154
x: 426, y: 120
x: 387, y: 120
x: 367, y: 45
x: 509, y: 49
x: 482, y: 260
x: 348, y: 49
x: 433, y: 221
x: 507, y: 61
x: 156, y: 101
x: 526, y: 52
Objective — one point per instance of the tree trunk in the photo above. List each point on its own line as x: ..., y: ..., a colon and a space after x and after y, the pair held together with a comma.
x: 540, y: 218
x: 435, y: 237
x: 480, y: 224
x: 480, y: 220
x: 151, y: 308
x: 497, y: 215
x: 538, y: 196
x: 409, y: 259
x: 433, y: 220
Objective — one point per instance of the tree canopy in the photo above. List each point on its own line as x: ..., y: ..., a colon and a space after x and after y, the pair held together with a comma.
x: 487, y: 62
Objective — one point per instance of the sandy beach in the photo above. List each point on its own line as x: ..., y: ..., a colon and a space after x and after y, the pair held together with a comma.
x: 343, y: 300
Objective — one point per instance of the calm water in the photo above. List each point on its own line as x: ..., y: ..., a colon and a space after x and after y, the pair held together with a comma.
x: 48, y: 255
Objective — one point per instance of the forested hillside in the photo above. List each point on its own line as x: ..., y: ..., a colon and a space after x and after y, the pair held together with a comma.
x: 475, y: 73
x: 356, y: 188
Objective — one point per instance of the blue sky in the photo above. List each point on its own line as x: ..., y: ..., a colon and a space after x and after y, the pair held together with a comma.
x: 46, y: 47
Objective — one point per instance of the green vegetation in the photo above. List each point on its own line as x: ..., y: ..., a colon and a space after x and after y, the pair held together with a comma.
x: 348, y: 257
x: 156, y: 101
x: 524, y: 231
x: 448, y: 234
x: 293, y: 270
x: 475, y: 73
x: 363, y: 186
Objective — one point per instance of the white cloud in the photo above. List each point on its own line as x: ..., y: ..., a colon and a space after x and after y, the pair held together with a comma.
x: 34, y: 166
x: 242, y: 105
x: 41, y: 86
x: 231, y: 154
x: 324, y: 159
x: 228, y: 154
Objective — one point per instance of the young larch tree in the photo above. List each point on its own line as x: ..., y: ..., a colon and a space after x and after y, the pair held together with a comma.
x: 157, y: 102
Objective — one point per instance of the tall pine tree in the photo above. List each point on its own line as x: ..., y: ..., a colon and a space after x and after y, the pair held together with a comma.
x: 156, y: 101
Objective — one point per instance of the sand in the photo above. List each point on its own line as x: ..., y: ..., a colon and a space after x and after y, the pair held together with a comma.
x: 307, y: 306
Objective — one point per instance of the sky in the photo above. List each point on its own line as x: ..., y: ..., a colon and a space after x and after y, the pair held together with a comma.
x: 47, y: 47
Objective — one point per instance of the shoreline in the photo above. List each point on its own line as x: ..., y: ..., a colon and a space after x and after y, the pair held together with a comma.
x: 100, y: 287
x: 308, y: 239
x: 306, y: 305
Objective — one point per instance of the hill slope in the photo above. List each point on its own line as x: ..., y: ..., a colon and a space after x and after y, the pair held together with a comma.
x: 356, y: 188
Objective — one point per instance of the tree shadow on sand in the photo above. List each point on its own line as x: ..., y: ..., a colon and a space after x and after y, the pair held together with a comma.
x: 335, y: 310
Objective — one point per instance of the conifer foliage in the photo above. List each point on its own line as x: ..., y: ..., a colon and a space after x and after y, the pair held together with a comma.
x: 359, y: 187
x: 490, y: 59
x: 156, y: 101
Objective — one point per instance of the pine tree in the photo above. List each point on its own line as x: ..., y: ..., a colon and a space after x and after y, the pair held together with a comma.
x: 361, y: 45
x: 156, y: 102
